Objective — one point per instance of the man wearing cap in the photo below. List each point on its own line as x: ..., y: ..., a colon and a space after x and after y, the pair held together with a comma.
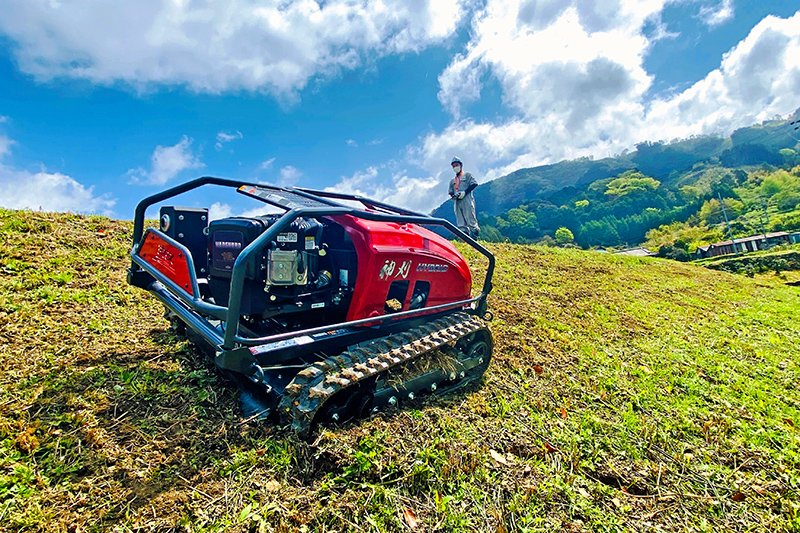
x: 461, y: 187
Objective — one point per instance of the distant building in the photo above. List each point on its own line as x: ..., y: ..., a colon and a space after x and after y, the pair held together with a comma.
x: 637, y: 252
x: 745, y: 244
x: 795, y: 237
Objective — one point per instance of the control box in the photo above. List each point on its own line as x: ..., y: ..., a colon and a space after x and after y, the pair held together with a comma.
x: 188, y: 226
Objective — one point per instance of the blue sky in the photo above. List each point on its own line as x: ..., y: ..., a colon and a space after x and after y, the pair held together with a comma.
x: 103, y: 102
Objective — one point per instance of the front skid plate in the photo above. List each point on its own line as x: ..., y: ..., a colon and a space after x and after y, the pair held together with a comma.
x: 313, y: 386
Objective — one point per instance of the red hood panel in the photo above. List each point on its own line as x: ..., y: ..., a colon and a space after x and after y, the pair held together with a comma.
x: 388, y: 252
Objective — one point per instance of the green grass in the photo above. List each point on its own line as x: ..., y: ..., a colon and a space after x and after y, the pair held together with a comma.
x: 625, y: 394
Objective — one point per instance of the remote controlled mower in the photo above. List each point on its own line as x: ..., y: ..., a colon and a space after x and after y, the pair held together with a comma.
x: 324, y: 308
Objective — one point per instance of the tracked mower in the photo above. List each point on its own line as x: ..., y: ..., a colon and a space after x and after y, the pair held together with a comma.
x: 325, y: 308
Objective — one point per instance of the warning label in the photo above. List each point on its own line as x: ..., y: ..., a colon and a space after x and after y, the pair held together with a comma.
x: 287, y: 237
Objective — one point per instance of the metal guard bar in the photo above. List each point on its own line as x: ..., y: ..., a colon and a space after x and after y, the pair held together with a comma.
x: 239, y: 267
x: 195, y: 321
x: 195, y: 291
x: 254, y: 341
x: 138, y: 219
x: 194, y: 301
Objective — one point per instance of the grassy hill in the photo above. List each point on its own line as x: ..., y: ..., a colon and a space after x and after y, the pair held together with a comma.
x: 624, y: 394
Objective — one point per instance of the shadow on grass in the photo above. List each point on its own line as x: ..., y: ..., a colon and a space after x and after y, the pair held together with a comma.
x: 154, y: 427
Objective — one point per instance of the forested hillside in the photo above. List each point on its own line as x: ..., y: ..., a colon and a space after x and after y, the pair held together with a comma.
x: 661, y: 194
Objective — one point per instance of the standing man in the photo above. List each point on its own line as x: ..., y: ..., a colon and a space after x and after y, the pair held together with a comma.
x: 461, y: 187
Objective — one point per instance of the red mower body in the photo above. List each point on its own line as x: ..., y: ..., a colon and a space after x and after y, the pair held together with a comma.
x: 397, y: 261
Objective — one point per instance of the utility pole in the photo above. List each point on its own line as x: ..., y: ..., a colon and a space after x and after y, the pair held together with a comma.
x: 763, y: 231
x: 761, y: 220
x: 727, y: 223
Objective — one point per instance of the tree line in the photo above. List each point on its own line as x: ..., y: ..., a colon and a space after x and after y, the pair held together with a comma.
x: 682, y: 212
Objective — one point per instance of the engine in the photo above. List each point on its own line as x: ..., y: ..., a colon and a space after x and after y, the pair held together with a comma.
x: 307, y: 271
x: 322, y: 270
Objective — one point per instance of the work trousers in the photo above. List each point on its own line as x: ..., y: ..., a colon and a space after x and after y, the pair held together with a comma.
x: 465, y: 215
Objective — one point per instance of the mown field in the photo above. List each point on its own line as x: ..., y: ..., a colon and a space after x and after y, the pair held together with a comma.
x: 625, y: 394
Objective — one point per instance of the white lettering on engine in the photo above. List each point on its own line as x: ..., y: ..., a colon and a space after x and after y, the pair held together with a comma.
x: 388, y: 269
x: 227, y: 244
x: 402, y: 272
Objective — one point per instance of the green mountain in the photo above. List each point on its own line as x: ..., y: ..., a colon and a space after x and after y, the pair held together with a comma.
x: 617, y: 201
x: 528, y: 184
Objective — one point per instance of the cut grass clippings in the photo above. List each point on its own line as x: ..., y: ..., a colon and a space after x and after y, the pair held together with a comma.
x: 625, y: 394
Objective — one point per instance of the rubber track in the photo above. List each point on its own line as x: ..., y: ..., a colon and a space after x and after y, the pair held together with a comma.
x: 306, y: 394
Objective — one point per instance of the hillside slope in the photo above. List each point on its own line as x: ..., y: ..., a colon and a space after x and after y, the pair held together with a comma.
x: 669, y: 162
x: 625, y: 394
x: 527, y: 184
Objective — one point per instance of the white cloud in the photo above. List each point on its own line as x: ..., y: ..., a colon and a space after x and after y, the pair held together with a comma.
x: 355, y: 183
x: 5, y: 146
x: 289, y: 176
x: 223, y: 137
x: 661, y: 32
x: 412, y: 193
x: 351, y: 143
x: 757, y: 79
x: 217, y: 46
x: 578, y: 57
x: 166, y: 163
x: 21, y: 189
x: 400, y: 189
x: 460, y: 83
x: 716, y: 13
x: 219, y: 210
x: 267, y: 164
x: 228, y: 137
x: 487, y: 150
